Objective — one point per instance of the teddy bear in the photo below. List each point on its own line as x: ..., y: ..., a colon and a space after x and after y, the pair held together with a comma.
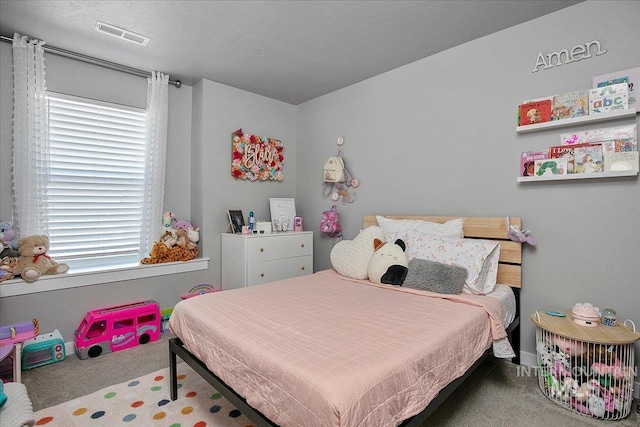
x: 34, y: 261
x: 389, y: 263
x: 181, y: 239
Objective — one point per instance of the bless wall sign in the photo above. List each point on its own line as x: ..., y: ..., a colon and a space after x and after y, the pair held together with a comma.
x: 578, y: 52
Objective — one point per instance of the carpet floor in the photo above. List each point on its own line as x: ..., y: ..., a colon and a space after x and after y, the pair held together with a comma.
x: 497, y: 394
x: 146, y: 401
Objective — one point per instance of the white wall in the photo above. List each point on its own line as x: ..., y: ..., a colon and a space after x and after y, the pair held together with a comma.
x: 433, y: 137
x: 218, y: 111
x: 438, y: 137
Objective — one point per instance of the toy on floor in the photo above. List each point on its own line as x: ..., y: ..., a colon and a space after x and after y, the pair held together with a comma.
x: 11, y: 338
x: 200, y: 290
x: 117, y: 328
x: 19, y: 332
x: 43, y: 350
x: 166, y: 315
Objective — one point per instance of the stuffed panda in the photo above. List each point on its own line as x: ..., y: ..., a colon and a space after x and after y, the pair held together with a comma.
x: 388, y: 264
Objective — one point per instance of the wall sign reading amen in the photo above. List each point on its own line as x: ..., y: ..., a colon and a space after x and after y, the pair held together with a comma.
x: 256, y: 158
x: 578, y: 52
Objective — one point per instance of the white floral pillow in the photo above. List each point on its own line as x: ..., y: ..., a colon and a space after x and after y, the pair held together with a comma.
x: 479, y: 257
x: 401, y: 228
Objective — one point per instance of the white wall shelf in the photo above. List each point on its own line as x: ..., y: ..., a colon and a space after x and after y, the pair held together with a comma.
x: 593, y: 118
x: 577, y: 176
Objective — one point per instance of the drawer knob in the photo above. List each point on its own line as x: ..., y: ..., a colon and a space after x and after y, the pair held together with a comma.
x: 261, y: 274
x: 302, y: 245
x: 302, y: 268
x: 261, y: 249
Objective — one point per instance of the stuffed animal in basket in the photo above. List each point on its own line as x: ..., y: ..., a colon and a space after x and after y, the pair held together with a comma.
x: 33, y: 261
x: 389, y: 263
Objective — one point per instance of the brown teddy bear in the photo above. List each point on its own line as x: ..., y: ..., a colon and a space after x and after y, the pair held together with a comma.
x: 34, y: 261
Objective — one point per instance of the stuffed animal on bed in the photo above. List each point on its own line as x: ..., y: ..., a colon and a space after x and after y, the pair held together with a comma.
x: 388, y: 264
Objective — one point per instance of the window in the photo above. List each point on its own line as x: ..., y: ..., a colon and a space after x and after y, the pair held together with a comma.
x: 95, y: 183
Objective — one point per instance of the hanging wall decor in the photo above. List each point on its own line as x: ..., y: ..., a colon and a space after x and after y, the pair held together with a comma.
x: 256, y: 158
x: 338, y: 182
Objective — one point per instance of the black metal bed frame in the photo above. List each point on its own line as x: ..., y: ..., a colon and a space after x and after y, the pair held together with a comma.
x: 177, y: 348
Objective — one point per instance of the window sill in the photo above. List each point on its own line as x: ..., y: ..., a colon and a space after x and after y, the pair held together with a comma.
x: 56, y: 282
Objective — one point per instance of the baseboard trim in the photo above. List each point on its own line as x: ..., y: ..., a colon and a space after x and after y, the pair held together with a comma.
x: 69, y: 348
x: 530, y: 359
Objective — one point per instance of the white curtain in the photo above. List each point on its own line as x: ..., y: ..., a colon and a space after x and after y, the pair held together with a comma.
x: 157, y: 115
x: 30, y: 137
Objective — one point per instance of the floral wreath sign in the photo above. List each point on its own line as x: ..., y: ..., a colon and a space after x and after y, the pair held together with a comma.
x: 256, y: 158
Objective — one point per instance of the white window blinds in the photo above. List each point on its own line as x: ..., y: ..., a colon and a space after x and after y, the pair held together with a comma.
x: 96, y: 182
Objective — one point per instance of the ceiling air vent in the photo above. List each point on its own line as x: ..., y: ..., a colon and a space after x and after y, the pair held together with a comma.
x: 121, y: 33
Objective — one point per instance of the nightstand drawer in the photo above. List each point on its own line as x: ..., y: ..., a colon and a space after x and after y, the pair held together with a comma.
x: 252, y: 259
x: 269, y: 271
x: 279, y: 246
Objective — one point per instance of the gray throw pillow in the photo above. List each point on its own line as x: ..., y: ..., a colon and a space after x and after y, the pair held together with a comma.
x: 435, y: 276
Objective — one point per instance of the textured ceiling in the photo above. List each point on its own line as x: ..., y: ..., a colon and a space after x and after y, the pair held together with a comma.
x: 293, y: 51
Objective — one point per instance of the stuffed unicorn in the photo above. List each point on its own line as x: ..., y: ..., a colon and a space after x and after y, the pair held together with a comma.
x: 518, y: 235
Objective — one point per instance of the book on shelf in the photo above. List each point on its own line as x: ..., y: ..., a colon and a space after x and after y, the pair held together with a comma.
x: 570, y: 105
x: 532, y: 112
x: 588, y: 159
x: 621, y: 161
x: 566, y: 152
x: 603, y: 134
x: 609, y: 98
x: 527, y: 161
x: 632, y: 76
x: 619, y: 145
x: 547, y: 167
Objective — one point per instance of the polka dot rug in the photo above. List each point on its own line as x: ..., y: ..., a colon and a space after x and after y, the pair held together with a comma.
x: 146, y: 401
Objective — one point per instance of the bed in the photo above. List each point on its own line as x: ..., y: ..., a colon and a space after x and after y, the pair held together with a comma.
x: 330, y: 350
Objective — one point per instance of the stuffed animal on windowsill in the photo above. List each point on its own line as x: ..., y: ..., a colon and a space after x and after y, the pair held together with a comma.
x: 8, y: 236
x: 7, y: 267
x: 8, y: 245
x: 34, y: 261
x: 7, y: 250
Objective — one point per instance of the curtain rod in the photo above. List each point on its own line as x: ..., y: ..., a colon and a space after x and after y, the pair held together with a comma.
x: 95, y: 61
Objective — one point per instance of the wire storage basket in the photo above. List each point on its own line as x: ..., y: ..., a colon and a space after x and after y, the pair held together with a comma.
x: 589, y: 377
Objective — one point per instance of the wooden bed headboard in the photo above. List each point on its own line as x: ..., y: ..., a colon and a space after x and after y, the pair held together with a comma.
x: 490, y: 228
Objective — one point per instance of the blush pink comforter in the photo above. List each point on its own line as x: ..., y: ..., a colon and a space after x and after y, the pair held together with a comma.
x: 324, y: 350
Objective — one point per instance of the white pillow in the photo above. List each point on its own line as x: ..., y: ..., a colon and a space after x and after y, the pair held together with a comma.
x: 479, y: 257
x: 401, y: 228
x: 351, y: 257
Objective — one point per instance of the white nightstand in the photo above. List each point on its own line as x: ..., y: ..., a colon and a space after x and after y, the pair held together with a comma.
x: 249, y: 260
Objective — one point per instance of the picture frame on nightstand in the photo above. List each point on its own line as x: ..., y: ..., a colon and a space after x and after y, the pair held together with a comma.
x: 236, y: 220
